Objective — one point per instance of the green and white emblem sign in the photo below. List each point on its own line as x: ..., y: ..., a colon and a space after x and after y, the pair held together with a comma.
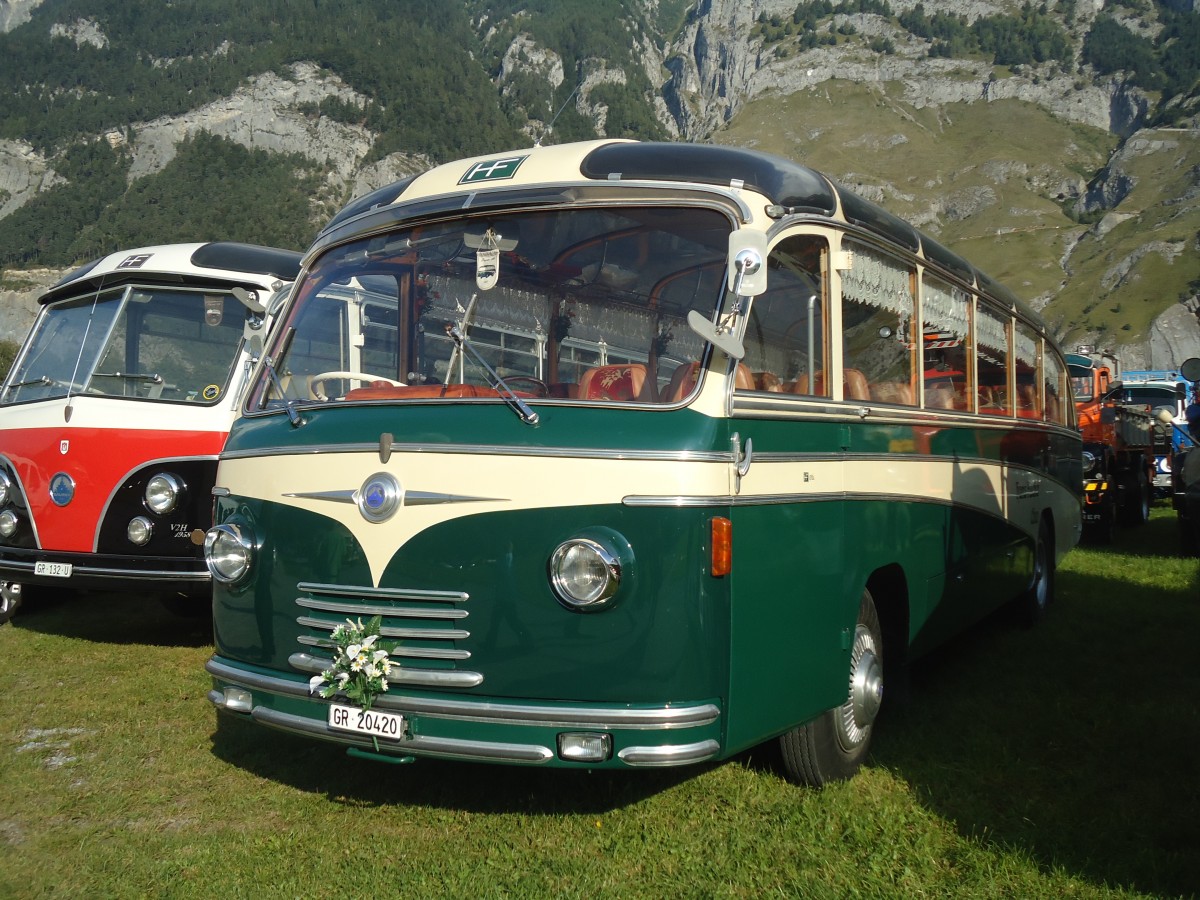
x: 493, y: 169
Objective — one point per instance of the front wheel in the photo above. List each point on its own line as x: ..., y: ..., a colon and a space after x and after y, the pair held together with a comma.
x: 10, y: 600
x: 834, y: 745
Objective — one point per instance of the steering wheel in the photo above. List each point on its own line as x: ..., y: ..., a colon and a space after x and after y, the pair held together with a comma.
x: 316, y: 382
x: 536, y: 386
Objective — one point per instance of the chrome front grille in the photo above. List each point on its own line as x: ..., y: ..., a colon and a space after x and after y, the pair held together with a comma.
x: 426, y: 627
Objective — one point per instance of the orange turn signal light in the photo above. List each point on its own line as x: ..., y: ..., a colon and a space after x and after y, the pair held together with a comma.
x: 721, y: 541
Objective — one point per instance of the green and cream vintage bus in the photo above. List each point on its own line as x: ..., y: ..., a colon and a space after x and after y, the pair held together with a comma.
x: 628, y: 454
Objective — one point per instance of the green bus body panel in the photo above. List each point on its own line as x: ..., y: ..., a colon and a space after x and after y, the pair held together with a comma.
x: 768, y: 644
x: 787, y: 663
x: 461, y: 424
x: 664, y: 639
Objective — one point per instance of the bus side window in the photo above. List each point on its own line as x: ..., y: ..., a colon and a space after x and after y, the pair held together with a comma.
x: 1056, y: 387
x: 785, y: 333
x: 1028, y: 350
x: 879, y: 339
x: 991, y: 340
x: 946, y: 314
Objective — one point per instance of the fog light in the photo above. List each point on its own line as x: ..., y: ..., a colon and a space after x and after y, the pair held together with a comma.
x: 8, y: 523
x: 238, y: 700
x: 139, y: 531
x: 583, y: 746
x: 162, y: 493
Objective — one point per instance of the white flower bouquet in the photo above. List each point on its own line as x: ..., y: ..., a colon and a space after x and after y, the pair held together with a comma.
x: 360, y: 668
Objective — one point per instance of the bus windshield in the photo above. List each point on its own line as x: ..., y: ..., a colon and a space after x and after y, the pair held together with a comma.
x: 145, y: 343
x: 579, y: 304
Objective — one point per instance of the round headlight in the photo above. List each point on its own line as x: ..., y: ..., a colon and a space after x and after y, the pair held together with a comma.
x: 162, y: 493
x: 5, y: 487
x: 228, y: 552
x: 1089, y: 462
x: 8, y: 523
x: 139, y: 530
x: 584, y: 574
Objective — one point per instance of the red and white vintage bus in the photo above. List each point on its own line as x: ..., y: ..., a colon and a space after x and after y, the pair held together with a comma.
x: 115, y: 410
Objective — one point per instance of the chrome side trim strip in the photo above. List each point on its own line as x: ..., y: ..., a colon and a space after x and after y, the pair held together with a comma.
x: 730, y: 500
x: 589, y: 717
x: 774, y: 499
x: 669, y: 755
x: 485, y: 751
x: 678, y: 501
x: 447, y: 678
x: 713, y: 456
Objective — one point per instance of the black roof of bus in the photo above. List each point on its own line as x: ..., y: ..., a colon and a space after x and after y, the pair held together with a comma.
x: 227, y: 256
x: 791, y: 187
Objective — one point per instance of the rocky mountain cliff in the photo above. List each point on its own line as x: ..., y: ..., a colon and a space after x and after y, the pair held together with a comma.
x: 1058, y: 178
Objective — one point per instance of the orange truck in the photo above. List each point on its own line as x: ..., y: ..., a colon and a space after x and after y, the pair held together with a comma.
x: 1118, y: 446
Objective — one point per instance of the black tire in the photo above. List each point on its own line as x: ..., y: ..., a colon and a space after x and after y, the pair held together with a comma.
x: 1031, y: 605
x: 834, y: 745
x: 1135, y: 508
x: 10, y: 601
x: 1105, y: 532
x: 1188, y: 543
x: 1145, y: 495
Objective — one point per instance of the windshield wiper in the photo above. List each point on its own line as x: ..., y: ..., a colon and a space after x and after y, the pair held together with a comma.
x: 269, y: 364
x: 519, y: 406
x: 131, y: 376
x: 41, y: 379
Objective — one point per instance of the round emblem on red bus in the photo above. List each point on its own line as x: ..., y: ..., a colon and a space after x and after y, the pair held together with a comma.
x: 62, y: 488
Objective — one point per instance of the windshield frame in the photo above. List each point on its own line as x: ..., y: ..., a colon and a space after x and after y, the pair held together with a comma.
x: 85, y: 355
x: 261, y: 399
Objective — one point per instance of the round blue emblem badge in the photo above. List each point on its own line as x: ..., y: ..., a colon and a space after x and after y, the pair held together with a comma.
x: 62, y: 488
x: 379, y: 497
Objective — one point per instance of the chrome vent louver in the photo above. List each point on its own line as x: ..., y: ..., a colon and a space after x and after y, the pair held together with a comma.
x: 426, y: 624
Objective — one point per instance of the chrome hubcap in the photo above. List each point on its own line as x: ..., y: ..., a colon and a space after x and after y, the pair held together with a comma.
x: 866, y: 691
x: 1041, y: 584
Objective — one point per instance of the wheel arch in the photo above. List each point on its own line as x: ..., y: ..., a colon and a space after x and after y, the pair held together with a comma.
x: 888, y: 586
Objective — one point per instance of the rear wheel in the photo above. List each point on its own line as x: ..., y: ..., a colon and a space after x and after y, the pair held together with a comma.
x: 1031, y: 605
x: 1104, y: 531
x: 1136, y: 505
x: 834, y: 745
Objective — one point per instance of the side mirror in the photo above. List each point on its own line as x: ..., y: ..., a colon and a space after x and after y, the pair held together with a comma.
x: 746, y: 276
x: 747, y: 263
x: 1191, y: 369
x: 248, y: 299
x: 722, y: 340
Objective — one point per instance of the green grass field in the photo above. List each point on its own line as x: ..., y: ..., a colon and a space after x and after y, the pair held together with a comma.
x: 1058, y: 762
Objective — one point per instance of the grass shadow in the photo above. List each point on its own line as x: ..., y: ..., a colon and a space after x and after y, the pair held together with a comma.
x: 121, y: 619
x: 324, y: 768
x: 1077, y: 743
